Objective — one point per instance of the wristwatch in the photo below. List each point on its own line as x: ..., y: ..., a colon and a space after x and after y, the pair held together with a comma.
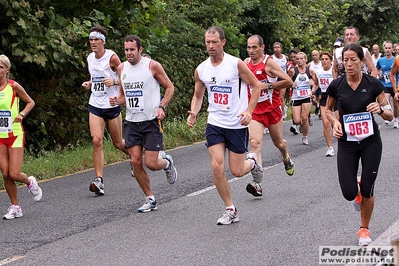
x: 270, y: 86
x: 162, y: 107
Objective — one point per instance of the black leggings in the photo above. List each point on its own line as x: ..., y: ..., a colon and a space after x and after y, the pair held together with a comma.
x: 349, y: 152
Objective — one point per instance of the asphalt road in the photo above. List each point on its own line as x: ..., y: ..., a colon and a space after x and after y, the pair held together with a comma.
x: 296, y: 215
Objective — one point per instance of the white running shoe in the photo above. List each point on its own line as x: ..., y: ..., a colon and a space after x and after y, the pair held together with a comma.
x: 257, y: 170
x: 294, y: 130
x: 161, y: 154
x: 171, y: 172
x: 14, y: 211
x: 131, y: 169
x: 255, y: 189
x: 97, y: 186
x: 34, y: 189
x: 395, y: 123
x: 229, y: 216
x: 285, y: 112
x: 364, y: 237
x: 305, y: 140
x: 330, y: 152
x: 265, y: 131
x: 149, y: 205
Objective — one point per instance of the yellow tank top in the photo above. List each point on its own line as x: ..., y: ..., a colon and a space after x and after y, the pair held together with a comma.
x: 9, y: 109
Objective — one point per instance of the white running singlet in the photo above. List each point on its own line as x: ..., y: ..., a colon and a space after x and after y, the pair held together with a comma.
x: 100, y: 69
x: 142, y: 91
x: 227, y: 94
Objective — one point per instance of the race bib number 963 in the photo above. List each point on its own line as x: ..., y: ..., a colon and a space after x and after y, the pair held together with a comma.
x: 358, y: 126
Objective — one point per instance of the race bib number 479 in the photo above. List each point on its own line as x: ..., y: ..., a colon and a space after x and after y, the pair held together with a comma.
x: 358, y: 126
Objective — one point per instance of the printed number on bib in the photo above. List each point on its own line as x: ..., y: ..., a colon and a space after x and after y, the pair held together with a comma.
x: 221, y: 97
x: 386, y: 75
x: 135, y: 101
x: 324, y: 81
x: 358, y: 126
x: 5, y: 121
x: 265, y: 94
x: 303, y: 91
x: 98, y: 88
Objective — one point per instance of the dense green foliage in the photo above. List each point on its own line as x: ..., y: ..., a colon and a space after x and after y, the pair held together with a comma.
x: 46, y: 41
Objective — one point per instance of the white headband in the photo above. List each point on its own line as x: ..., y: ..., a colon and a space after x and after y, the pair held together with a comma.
x: 97, y: 35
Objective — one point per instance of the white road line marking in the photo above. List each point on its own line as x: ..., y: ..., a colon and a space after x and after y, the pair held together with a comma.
x: 13, y: 258
x: 230, y: 181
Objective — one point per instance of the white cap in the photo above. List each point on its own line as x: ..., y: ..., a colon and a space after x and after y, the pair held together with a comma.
x: 338, y: 43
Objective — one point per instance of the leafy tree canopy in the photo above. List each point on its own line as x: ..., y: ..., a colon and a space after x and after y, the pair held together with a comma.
x: 46, y: 41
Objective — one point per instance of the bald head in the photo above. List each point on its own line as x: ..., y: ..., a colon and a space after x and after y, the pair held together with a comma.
x: 315, y: 56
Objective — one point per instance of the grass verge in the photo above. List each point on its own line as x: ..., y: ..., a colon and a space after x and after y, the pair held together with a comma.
x: 74, y: 159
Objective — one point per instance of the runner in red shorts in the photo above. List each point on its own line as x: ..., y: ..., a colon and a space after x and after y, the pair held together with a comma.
x: 267, y: 113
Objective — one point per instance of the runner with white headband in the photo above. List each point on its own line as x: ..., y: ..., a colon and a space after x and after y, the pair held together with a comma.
x: 97, y: 35
x: 104, y: 85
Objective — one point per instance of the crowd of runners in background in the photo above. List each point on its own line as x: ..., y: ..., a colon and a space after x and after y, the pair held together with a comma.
x: 246, y: 100
x: 341, y: 85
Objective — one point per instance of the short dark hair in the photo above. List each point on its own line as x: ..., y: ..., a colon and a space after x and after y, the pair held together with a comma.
x: 279, y: 43
x: 99, y: 29
x: 217, y: 29
x: 353, y: 28
x: 327, y: 54
x: 134, y: 38
x: 357, y: 48
x: 293, y: 51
